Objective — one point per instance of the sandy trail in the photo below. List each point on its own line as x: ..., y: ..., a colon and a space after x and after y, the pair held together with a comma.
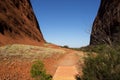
x: 67, y: 67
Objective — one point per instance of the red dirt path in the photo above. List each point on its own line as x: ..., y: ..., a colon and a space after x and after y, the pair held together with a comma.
x: 67, y: 68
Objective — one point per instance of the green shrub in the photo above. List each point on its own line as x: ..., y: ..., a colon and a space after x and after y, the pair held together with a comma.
x: 38, y: 72
x: 65, y: 46
x: 103, y: 66
x: 97, y: 49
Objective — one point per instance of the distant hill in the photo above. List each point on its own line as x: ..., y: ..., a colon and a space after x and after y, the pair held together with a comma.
x: 106, y: 27
x: 18, y: 23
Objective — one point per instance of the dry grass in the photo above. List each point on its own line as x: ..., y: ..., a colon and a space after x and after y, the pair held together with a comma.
x: 28, y: 51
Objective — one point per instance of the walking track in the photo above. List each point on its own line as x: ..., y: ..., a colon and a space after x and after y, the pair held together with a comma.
x: 67, y: 68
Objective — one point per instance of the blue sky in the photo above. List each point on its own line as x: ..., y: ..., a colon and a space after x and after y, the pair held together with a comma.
x: 66, y: 22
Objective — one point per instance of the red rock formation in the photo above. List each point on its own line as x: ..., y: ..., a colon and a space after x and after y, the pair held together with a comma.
x: 106, y: 27
x: 18, y: 24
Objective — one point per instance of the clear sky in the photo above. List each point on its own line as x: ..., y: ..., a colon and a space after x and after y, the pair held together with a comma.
x: 66, y: 22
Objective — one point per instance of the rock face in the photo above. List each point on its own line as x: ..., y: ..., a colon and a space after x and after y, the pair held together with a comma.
x: 106, y: 27
x: 18, y: 24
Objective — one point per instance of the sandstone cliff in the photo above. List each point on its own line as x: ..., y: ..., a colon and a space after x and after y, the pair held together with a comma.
x: 18, y: 24
x: 106, y: 27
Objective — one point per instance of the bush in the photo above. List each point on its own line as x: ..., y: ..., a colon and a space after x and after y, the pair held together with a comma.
x: 38, y: 72
x: 65, y: 46
x: 97, y: 49
x: 103, y: 66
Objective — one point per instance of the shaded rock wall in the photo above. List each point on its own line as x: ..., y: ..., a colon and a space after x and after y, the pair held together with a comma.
x: 18, y: 23
x: 106, y: 27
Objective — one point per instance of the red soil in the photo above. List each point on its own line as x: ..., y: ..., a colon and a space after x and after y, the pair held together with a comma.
x: 15, y: 70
